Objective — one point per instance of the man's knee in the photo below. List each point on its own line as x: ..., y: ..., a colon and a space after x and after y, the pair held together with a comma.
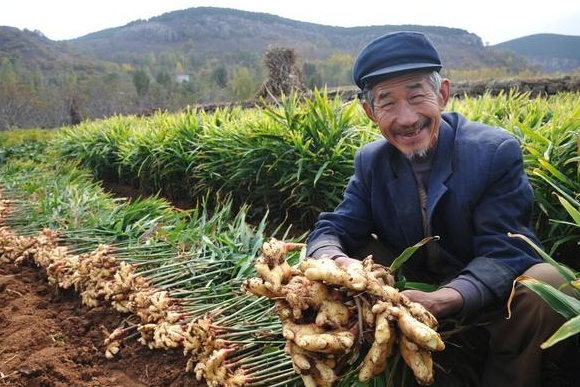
x: 529, y: 306
x: 547, y: 273
x: 532, y: 319
x: 533, y: 312
x: 534, y: 315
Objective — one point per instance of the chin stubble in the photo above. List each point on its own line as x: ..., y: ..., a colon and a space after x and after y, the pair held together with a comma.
x: 418, y: 154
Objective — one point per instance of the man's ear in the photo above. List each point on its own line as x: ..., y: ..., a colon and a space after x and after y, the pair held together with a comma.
x: 369, y: 111
x: 444, y: 93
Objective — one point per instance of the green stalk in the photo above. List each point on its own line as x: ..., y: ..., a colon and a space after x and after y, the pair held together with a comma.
x: 280, y: 375
x: 164, y: 285
x: 279, y: 384
x: 268, y: 370
x: 227, y: 318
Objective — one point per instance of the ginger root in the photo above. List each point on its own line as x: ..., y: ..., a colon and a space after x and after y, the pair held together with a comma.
x: 274, y: 276
x: 324, y: 308
x: 257, y: 287
x: 325, y: 269
x: 418, y: 359
x: 272, y: 266
x: 316, y: 369
x: 275, y: 251
x: 313, y: 338
x: 333, y: 314
x: 375, y: 361
x: 416, y: 331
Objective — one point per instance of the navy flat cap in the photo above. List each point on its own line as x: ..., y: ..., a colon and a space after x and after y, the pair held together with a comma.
x: 392, y: 54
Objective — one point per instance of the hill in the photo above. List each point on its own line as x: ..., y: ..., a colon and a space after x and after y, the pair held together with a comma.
x: 228, y: 34
x: 32, y: 50
x: 552, y: 52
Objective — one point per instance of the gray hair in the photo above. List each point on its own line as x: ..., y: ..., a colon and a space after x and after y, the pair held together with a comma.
x: 367, y: 93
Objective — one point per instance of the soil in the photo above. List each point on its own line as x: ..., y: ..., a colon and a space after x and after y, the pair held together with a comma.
x: 48, y: 339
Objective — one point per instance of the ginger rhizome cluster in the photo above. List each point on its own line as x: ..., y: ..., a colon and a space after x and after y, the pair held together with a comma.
x: 328, y: 312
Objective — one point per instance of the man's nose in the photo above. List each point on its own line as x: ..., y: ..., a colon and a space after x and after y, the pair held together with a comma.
x: 406, y: 115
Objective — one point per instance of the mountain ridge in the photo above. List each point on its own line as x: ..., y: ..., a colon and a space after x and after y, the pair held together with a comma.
x: 553, y: 52
x: 222, y: 33
x: 210, y: 29
x: 32, y: 49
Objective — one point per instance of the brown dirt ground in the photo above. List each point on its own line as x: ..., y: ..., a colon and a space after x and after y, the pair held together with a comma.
x: 48, y: 339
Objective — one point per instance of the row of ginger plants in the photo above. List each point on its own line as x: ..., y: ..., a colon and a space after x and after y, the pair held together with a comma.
x: 295, y: 157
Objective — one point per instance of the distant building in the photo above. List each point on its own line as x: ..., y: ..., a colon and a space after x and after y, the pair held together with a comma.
x: 182, y: 78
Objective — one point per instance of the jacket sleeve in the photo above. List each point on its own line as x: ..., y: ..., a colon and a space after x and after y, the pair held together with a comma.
x: 505, y: 206
x: 348, y: 227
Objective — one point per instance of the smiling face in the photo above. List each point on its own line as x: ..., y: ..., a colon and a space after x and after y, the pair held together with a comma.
x: 408, y: 111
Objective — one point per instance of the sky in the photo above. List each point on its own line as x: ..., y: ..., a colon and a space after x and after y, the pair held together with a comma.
x: 494, y: 21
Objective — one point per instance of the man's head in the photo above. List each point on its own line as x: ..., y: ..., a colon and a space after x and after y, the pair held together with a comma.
x: 402, y: 90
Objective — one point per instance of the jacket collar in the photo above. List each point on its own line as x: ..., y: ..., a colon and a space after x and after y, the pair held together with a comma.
x: 441, y: 168
x: 403, y: 188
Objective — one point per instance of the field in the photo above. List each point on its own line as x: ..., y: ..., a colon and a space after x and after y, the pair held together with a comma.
x: 240, y: 177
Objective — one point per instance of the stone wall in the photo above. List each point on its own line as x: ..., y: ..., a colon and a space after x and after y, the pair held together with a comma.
x: 536, y: 86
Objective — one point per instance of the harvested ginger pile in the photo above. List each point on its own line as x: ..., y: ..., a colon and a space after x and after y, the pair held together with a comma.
x: 327, y: 312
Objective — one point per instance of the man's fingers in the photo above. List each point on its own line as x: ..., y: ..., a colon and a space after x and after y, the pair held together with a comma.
x: 415, y: 295
x: 346, y: 261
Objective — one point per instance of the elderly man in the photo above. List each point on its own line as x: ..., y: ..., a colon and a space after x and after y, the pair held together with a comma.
x: 437, y: 173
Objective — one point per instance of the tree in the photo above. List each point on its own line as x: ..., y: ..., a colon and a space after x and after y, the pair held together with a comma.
x: 242, y: 84
x: 141, y: 82
x: 163, y: 78
x: 17, y: 98
x: 336, y: 70
x: 150, y: 60
x: 219, y: 75
x: 311, y: 75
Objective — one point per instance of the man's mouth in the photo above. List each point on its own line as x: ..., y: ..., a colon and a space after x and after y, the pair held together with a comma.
x: 412, y: 134
x: 415, y: 131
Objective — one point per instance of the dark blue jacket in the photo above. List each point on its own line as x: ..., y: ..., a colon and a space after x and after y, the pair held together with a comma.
x: 477, y: 193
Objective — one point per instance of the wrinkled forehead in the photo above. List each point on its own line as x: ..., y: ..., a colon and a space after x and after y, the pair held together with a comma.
x: 403, y: 83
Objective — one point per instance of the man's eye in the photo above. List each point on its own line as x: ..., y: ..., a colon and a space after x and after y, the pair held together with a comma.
x: 384, y: 105
x: 418, y: 97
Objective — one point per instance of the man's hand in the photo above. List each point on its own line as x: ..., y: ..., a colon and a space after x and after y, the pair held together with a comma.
x: 441, y: 303
x: 346, y: 261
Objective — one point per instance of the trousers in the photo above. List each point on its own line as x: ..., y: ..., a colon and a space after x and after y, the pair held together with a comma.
x: 515, y: 357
